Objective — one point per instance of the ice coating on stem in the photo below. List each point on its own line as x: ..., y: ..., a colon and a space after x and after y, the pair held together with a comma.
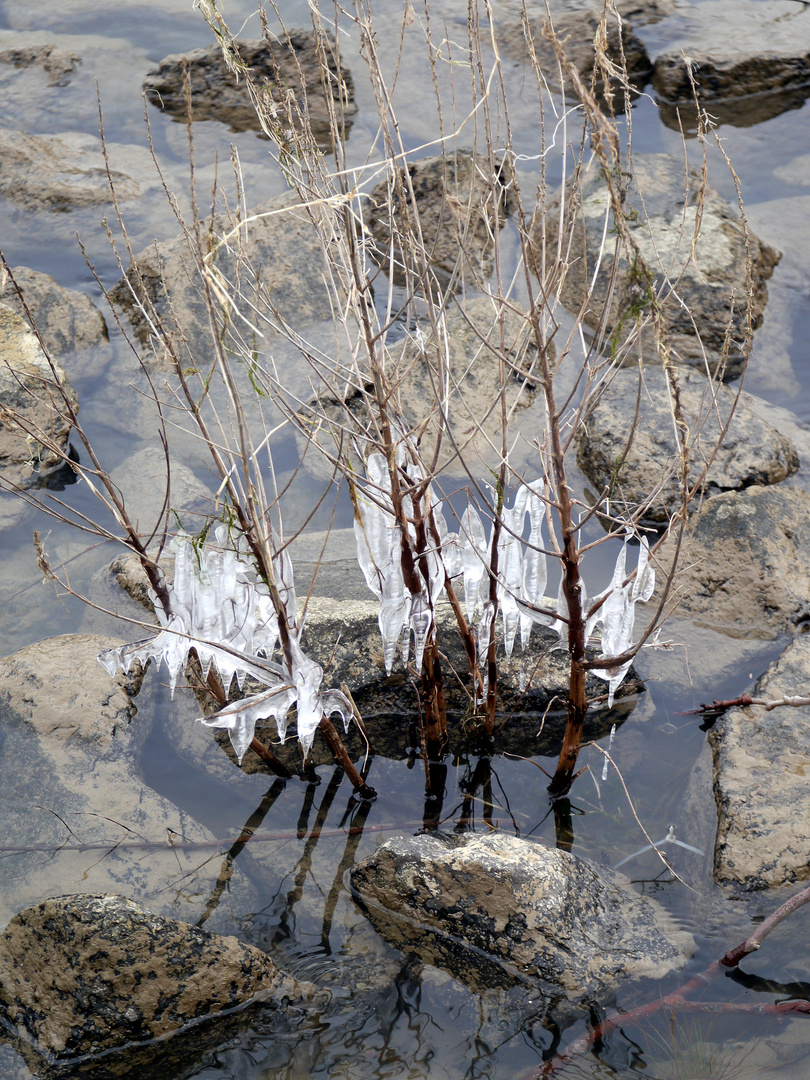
x: 473, y: 543
x: 618, y: 613
x: 379, y: 541
x: 218, y: 609
x: 535, y: 569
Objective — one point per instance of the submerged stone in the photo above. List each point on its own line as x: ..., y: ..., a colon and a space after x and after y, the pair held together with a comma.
x: 35, y: 398
x: 531, y: 913
x: 81, y: 975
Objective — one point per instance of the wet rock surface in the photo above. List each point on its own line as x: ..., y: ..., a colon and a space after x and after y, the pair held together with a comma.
x: 752, y: 452
x: 74, y: 812
x: 58, y: 172
x: 33, y: 388
x: 710, y: 285
x: 455, y: 203
x: 81, y: 975
x: 761, y: 765
x: 746, y: 567
x: 576, y: 25
x: 744, y: 77
x: 535, y: 913
x: 66, y: 320
x: 279, y: 267
x: 274, y: 67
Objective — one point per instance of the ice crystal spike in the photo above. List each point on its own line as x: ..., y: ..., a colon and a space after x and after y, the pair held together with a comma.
x: 618, y: 613
x: 535, y: 570
x: 420, y: 623
x: 473, y: 544
x: 510, y: 572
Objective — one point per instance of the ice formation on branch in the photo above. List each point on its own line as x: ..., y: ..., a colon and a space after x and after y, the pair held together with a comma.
x: 618, y: 612
x: 521, y: 573
x: 218, y: 608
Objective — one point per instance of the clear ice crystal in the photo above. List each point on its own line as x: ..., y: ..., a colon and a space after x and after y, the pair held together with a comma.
x: 217, y: 608
x: 618, y: 613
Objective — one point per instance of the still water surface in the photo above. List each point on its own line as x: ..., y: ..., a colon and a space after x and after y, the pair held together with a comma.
x: 389, y: 1016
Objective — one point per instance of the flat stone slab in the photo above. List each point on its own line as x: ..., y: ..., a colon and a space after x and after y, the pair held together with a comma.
x: 533, y: 913
x: 646, y: 474
x: 761, y: 765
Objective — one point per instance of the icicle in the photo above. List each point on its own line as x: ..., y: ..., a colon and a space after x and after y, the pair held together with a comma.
x: 216, y: 607
x: 333, y: 701
x: 535, y: 570
x: 239, y: 718
x: 285, y: 583
x: 617, y: 613
x: 510, y: 571
x: 420, y: 623
x: 610, y: 747
x: 473, y: 545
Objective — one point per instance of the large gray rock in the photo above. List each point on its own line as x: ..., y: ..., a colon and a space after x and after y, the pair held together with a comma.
x: 457, y: 209
x: 33, y: 397
x: 750, y: 60
x: 58, y: 172
x: 761, y: 766
x: 709, y: 283
x: 272, y: 65
x: 73, y: 808
x: 66, y: 320
x: 81, y: 975
x: 753, y: 452
x: 535, y: 913
x: 745, y: 567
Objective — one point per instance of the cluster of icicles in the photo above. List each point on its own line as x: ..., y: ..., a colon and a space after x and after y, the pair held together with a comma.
x: 521, y: 578
x: 219, y: 609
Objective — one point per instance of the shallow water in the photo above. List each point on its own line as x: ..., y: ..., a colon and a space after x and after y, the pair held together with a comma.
x: 390, y: 1016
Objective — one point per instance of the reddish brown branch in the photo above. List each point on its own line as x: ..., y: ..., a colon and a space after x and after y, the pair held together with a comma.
x: 717, y: 708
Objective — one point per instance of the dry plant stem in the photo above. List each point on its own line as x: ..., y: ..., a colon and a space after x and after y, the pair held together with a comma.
x: 752, y: 943
x: 577, y: 700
